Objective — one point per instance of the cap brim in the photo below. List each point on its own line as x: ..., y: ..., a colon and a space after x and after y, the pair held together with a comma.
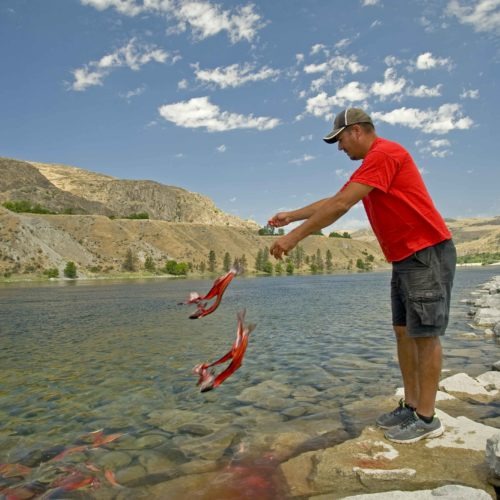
x: 333, y: 136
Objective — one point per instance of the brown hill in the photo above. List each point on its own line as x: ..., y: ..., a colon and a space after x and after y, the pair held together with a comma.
x: 471, y: 236
x: 31, y: 243
x: 182, y: 226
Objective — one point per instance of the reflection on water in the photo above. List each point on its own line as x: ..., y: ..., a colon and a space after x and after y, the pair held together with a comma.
x: 118, y: 356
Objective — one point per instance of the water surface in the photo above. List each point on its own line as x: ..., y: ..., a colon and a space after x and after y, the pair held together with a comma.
x: 80, y: 356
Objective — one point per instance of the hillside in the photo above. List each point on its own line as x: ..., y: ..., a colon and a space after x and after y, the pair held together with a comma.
x: 182, y: 226
x: 471, y: 236
x: 64, y: 189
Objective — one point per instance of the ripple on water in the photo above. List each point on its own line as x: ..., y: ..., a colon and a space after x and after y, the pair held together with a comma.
x: 118, y: 357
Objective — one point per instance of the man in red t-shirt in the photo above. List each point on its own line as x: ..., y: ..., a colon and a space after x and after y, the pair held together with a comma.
x: 415, y: 239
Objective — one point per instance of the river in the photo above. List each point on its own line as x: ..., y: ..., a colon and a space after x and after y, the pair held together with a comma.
x: 80, y: 356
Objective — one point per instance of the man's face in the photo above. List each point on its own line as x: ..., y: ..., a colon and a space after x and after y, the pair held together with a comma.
x: 349, y: 142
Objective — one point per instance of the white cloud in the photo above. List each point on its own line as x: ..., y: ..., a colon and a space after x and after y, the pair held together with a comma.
x: 470, y: 94
x: 315, y: 49
x: 133, y: 93
x: 483, y: 15
x: 370, y: 3
x: 126, y: 7
x: 234, y: 75
x: 306, y: 138
x: 303, y: 159
x: 222, y: 148
x: 132, y: 55
x: 390, y: 86
x: 437, y: 148
x: 342, y: 44
x: 446, y: 118
x: 199, y: 112
x: 427, y: 61
x: 321, y: 105
x: 183, y: 84
x: 204, y: 18
x: 425, y: 91
x: 233, y: 199
x: 337, y: 65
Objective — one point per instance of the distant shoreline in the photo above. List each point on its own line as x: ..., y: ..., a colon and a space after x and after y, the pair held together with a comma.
x: 198, y: 276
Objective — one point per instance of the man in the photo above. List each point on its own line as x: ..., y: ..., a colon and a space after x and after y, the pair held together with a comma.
x: 415, y: 239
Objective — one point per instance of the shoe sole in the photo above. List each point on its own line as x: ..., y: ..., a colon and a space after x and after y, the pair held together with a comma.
x: 432, y: 434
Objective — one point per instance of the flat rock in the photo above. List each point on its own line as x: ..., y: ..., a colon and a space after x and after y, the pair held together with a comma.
x: 461, y: 383
x: 448, y: 492
x: 370, y: 463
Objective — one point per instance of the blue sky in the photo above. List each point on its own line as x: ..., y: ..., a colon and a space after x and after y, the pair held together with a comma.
x: 231, y: 99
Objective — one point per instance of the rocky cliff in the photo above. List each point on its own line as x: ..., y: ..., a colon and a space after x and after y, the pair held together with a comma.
x: 182, y: 226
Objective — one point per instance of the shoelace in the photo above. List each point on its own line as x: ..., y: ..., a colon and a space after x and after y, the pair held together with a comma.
x: 399, y: 409
x: 411, y: 419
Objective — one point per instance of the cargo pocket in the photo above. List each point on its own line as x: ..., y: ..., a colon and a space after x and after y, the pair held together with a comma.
x: 429, y: 306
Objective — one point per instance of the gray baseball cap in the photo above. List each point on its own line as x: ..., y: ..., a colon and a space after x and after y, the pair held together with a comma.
x: 349, y: 116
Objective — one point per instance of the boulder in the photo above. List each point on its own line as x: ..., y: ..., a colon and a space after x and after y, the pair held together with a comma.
x: 493, y: 454
x: 370, y: 463
x: 463, y: 384
x: 448, y: 492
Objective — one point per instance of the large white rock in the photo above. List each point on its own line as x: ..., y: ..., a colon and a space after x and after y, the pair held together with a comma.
x: 448, y: 492
x: 464, y: 384
x: 489, y: 379
x: 461, y: 432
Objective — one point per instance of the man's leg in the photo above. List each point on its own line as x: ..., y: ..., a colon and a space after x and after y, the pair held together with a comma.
x: 429, y: 371
x: 408, y: 364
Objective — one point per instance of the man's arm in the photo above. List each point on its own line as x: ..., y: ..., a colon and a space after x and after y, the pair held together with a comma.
x: 283, y: 218
x: 330, y: 210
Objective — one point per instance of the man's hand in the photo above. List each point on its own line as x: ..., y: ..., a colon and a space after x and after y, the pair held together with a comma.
x: 282, y: 246
x: 280, y: 219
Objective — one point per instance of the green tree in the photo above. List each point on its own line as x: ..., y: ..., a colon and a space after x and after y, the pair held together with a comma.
x: 129, y: 264
x: 259, y: 260
x: 279, y: 268
x: 52, y: 272
x: 319, y: 261
x: 203, y: 266
x: 289, y: 267
x: 266, y: 230
x: 226, y: 265
x: 176, y: 268
x: 212, y: 261
x: 149, y: 264
x: 268, y: 267
x: 360, y: 264
x: 329, y: 261
x: 298, y: 256
x: 70, y: 270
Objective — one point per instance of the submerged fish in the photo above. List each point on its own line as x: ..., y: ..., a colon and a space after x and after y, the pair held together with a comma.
x: 216, y: 292
x: 207, y: 379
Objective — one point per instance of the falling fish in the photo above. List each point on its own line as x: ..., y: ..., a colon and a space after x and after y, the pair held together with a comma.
x: 207, y: 379
x: 216, y: 292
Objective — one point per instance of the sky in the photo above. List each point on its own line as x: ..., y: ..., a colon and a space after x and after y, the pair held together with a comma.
x: 231, y: 99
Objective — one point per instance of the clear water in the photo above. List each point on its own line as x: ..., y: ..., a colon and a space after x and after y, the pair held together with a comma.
x: 80, y: 356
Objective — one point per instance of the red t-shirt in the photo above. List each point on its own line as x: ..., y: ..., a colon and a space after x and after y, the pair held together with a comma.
x: 399, y: 209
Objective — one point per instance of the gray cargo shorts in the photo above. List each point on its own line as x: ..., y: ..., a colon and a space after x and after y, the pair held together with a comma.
x: 421, y: 289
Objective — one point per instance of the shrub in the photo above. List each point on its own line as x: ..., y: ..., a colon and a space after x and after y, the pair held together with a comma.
x: 52, y: 272
x: 70, y: 270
